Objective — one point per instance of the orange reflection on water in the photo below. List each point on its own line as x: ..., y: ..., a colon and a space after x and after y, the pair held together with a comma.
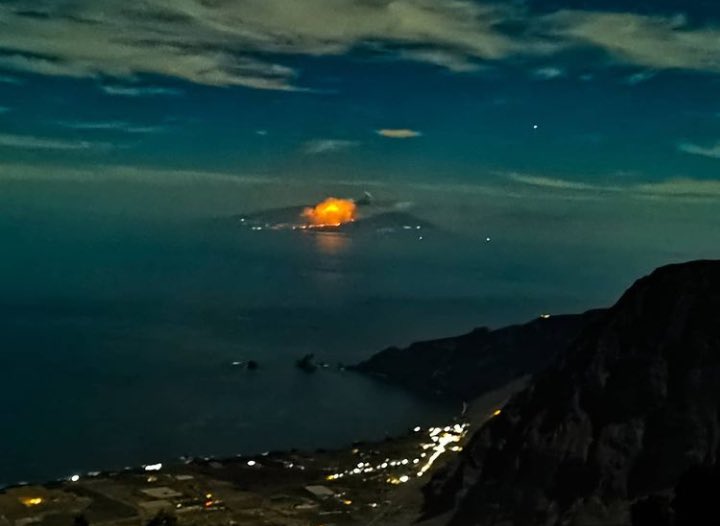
x: 331, y: 243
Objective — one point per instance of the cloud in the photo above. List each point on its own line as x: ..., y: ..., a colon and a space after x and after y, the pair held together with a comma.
x: 44, y: 65
x: 452, y: 61
x: 4, y: 109
x: 560, y: 184
x: 650, y: 41
x: 320, y: 146
x: 227, y: 43
x: 6, y: 79
x: 549, y: 73
x: 398, y: 133
x: 640, y: 77
x: 680, y: 188
x: 233, y: 43
x: 109, y: 38
x: 33, y: 142
x: 104, y: 173
x: 694, y: 149
x: 693, y: 188
x: 119, y: 126
x: 139, y: 91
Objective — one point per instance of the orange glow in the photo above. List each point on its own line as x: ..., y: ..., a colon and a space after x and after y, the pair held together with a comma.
x: 32, y: 501
x: 331, y: 212
x: 497, y: 412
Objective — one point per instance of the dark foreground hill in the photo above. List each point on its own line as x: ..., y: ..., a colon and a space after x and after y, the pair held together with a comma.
x: 627, y: 411
x: 467, y: 366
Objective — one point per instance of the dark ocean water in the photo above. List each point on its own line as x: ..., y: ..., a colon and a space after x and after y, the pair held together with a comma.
x: 117, y: 342
x: 118, y: 338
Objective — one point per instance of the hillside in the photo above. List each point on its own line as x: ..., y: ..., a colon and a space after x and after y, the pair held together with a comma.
x: 467, y: 366
x: 625, y: 412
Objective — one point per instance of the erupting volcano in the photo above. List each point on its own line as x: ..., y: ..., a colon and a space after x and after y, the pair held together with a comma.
x: 339, y: 215
x: 330, y: 212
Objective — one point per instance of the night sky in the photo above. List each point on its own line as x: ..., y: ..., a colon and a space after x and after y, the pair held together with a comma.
x: 533, y: 119
x: 623, y: 94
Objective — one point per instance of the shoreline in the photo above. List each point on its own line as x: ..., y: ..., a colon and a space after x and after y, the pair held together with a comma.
x: 200, y: 459
x: 358, y: 483
x: 364, y: 483
x: 474, y: 413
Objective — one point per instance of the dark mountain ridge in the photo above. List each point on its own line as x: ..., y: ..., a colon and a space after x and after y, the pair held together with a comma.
x: 625, y: 412
x: 465, y: 367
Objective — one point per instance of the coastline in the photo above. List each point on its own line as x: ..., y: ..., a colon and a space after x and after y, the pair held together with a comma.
x: 362, y: 484
x: 365, y: 482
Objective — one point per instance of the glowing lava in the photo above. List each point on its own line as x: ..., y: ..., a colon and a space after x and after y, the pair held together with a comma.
x: 331, y: 212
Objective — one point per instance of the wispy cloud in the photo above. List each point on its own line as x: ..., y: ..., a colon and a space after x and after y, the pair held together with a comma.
x: 651, y: 41
x: 139, y: 91
x: 33, y: 142
x: 4, y: 109
x: 119, y: 126
x: 452, y: 61
x: 320, y: 146
x: 640, y: 77
x: 680, y: 188
x: 45, y: 66
x: 6, y: 79
x: 227, y: 43
x: 705, y: 151
x: 104, y: 173
x: 691, y: 188
x: 398, y: 133
x: 224, y: 43
x: 549, y: 73
x: 556, y: 183
x: 221, y: 43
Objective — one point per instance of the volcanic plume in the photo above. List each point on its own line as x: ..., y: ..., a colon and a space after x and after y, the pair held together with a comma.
x: 331, y: 212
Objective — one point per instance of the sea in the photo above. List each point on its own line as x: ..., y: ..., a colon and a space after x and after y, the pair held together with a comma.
x: 118, y: 336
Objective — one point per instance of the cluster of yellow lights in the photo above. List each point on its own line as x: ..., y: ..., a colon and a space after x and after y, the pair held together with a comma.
x: 398, y: 480
x: 441, y: 441
x: 32, y: 501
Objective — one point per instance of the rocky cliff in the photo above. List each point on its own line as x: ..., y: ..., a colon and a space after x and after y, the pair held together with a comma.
x: 631, y: 406
x: 470, y: 365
